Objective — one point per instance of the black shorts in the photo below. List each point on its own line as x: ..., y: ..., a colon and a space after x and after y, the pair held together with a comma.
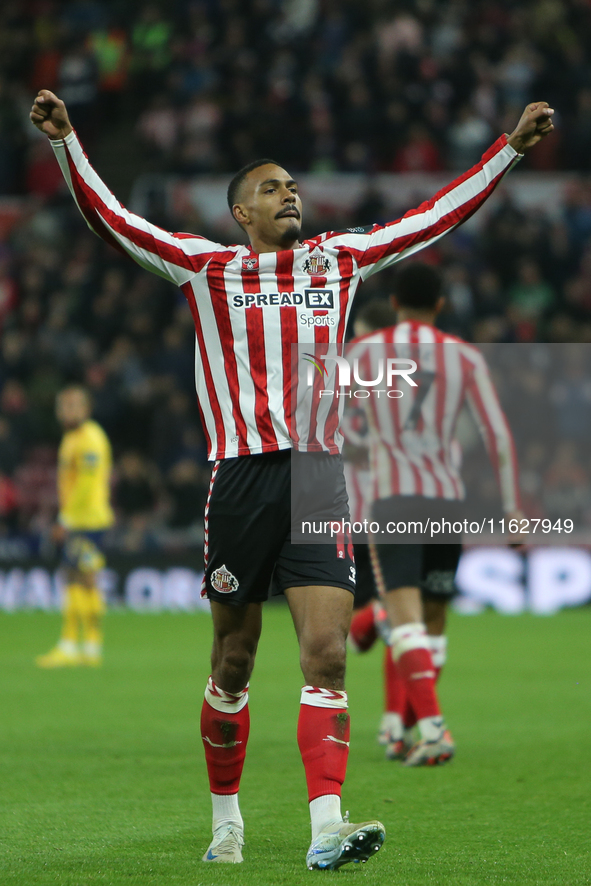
x: 430, y: 567
x: 248, y: 547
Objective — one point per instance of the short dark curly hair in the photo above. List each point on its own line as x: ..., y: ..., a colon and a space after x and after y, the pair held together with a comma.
x: 418, y: 286
x: 377, y: 313
x: 234, y: 185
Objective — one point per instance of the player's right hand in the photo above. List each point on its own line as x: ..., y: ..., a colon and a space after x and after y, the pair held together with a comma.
x: 50, y: 116
x: 535, y: 124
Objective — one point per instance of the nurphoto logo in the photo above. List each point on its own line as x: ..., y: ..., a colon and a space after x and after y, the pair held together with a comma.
x: 387, y: 370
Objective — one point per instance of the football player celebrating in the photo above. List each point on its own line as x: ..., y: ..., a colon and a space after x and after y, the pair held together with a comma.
x: 250, y: 304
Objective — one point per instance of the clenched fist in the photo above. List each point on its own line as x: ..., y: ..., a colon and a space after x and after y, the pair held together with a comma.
x: 50, y: 116
x: 535, y: 124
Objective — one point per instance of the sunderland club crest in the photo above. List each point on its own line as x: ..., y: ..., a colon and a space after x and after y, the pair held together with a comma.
x: 223, y: 581
x: 317, y: 263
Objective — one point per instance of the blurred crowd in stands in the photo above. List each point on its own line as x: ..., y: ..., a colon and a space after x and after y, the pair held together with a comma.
x: 203, y: 86
x: 78, y: 311
x: 322, y: 84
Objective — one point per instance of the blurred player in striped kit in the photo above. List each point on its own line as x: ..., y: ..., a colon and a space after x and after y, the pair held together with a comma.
x: 84, y: 470
x: 415, y: 476
x: 370, y: 620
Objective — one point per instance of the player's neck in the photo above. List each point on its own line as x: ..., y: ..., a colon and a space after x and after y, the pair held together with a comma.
x: 413, y: 315
x: 74, y: 427
x: 260, y: 245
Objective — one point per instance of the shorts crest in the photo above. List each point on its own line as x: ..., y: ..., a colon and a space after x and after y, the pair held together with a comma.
x: 223, y: 581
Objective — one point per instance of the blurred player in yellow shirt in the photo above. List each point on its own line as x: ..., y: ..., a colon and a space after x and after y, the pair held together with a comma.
x: 84, y: 470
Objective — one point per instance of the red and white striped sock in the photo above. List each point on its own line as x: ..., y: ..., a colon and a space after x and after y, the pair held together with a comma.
x: 412, y: 655
x: 323, y: 740
x: 225, y: 725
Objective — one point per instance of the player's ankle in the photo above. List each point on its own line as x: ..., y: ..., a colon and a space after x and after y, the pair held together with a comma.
x: 324, y: 811
x: 226, y: 811
x: 68, y: 647
x: 92, y: 649
x: 431, y: 728
x: 392, y: 722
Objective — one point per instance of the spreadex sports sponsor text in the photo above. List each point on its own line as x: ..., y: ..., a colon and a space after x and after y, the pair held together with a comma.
x: 311, y: 298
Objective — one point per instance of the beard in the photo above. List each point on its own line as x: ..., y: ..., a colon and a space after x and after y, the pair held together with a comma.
x: 291, y: 233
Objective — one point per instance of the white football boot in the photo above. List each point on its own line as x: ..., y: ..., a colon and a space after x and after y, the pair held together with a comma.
x: 226, y: 845
x: 342, y: 842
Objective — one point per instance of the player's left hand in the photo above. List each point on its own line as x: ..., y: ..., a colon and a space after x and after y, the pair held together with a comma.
x: 535, y: 124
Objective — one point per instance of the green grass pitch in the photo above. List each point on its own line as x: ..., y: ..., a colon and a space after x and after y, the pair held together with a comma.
x: 102, y: 778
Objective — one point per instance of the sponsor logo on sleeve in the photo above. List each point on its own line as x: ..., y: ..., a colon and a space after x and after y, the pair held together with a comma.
x: 365, y: 229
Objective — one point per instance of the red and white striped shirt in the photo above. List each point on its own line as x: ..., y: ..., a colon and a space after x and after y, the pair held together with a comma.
x: 249, y: 309
x: 412, y: 439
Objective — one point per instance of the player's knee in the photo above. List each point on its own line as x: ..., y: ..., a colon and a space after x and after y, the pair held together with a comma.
x: 323, y: 661
x: 232, y: 665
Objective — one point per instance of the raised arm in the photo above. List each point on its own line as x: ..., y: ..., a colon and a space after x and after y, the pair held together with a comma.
x: 377, y: 247
x: 175, y: 257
